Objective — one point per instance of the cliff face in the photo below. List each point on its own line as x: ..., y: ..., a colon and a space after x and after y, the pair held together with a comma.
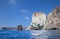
x: 52, y: 22
x: 53, y: 19
x: 38, y: 20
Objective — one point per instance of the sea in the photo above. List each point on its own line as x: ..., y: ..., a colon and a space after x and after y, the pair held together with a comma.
x: 29, y: 34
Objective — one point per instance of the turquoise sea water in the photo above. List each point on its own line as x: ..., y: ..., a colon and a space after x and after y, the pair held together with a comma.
x: 27, y: 34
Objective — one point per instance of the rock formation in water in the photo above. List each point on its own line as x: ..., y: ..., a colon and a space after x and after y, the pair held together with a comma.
x: 19, y: 27
x: 53, y: 20
x: 38, y: 21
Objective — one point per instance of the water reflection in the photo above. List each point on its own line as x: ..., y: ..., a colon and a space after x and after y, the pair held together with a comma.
x: 46, y: 34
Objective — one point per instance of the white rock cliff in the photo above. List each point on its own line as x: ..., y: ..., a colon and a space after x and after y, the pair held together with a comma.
x: 38, y: 20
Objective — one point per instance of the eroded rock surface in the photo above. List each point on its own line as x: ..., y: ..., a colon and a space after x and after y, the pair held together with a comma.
x: 38, y: 20
x: 53, y: 20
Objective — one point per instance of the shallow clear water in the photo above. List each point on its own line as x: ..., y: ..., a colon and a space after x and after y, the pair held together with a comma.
x: 26, y: 34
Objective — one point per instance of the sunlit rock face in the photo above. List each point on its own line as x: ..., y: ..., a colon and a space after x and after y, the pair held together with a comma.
x: 53, y: 20
x: 38, y: 20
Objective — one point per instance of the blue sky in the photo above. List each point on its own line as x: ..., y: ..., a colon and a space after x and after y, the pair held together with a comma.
x: 15, y: 12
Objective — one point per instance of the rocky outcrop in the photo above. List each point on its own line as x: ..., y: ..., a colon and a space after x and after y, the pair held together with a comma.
x: 53, y: 20
x: 38, y: 20
x: 19, y: 27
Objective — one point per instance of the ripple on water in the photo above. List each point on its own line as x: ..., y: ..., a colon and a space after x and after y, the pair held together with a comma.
x: 26, y: 34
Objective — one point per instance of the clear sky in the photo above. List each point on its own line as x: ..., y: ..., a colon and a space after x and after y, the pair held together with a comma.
x: 15, y: 12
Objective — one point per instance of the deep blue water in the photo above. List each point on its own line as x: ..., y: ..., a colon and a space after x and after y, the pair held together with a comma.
x: 15, y: 34
x: 26, y: 34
